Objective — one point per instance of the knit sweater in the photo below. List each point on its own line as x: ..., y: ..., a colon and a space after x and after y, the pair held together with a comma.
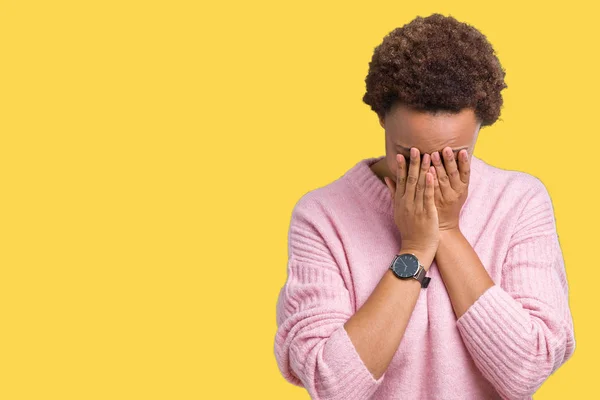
x: 342, y: 239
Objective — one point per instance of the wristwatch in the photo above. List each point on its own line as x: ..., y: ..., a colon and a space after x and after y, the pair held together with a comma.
x: 407, y: 265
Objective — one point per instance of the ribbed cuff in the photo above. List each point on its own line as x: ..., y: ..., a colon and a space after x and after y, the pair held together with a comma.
x: 497, y: 331
x: 354, y: 380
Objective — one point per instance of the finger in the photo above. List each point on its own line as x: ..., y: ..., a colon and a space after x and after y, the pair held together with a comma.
x: 428, y: 197
x: 420, y: 188
x: 464, y: 167
x: 442, y: 178
x: 391, y: 187
x: 413, y: 175
x: 437, y: 194
x: 400, y: 174
x: 451, y: 168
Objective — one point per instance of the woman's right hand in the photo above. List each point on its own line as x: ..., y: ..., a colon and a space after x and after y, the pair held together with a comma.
x: 415, y: 213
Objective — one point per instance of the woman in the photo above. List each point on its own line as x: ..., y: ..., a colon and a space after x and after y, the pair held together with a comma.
x: 426, y: 273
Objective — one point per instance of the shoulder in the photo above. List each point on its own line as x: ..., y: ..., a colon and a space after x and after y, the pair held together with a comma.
x: 522, y: 197
x: 318, y: 218
x: 513, y: 185
x: 313, y: 235
x: 317, y: 204
x: 323, y: 201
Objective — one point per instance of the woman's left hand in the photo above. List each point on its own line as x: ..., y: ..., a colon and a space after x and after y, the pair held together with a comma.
x: 451, y: 185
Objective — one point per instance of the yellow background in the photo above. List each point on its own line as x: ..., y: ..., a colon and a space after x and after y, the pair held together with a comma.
x: 152, y: 152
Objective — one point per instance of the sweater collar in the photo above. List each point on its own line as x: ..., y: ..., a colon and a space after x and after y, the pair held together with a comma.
x: 368, y: 185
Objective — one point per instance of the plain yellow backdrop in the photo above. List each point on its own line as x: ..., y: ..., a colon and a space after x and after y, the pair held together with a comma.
x: 152, y: 152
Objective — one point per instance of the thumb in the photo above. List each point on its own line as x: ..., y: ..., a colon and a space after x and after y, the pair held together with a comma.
x: 391, y: 186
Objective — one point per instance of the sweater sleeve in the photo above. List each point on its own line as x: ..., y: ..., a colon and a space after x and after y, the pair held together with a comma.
x: 521, y: 331
x: 312, y: 347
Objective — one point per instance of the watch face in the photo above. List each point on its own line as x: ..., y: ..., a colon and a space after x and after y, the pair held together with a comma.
x: 405, y: 266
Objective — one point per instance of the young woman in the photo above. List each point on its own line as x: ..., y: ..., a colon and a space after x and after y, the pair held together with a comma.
x: 426, y: 273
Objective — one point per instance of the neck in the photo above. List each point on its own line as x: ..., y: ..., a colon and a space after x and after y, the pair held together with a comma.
x: 380, y: 169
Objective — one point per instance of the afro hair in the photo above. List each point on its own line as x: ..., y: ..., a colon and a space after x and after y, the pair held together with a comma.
x: 436, y: 64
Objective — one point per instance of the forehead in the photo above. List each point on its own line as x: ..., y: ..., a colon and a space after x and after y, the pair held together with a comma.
x: 430, y: 131
x: 404, y: 117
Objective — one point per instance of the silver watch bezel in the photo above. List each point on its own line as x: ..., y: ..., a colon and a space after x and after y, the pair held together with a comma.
x: 420, y: 266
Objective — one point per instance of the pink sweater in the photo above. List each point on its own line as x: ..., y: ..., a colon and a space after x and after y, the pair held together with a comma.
x: 342, y: 238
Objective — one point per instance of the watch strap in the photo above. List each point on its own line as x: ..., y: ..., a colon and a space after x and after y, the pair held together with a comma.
x: 420, y: 276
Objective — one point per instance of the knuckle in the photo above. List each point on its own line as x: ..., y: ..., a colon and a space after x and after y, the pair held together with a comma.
x: 411, y: 179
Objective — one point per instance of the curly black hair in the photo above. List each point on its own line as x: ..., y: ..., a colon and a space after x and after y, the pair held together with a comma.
x: 436, y: 64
